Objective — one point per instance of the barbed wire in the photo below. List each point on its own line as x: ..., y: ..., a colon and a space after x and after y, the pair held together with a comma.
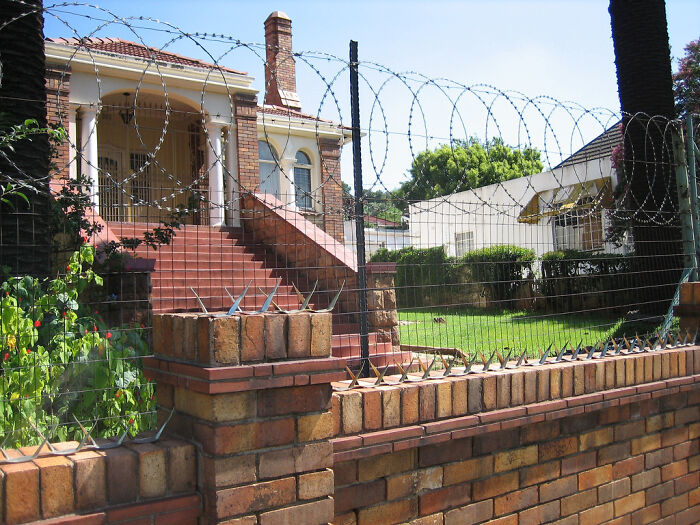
x: 428, y: 105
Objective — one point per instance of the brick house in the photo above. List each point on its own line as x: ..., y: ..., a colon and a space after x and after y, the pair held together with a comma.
x: 154, y: 132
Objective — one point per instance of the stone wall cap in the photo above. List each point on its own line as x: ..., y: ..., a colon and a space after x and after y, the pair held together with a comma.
x: 381, y: 267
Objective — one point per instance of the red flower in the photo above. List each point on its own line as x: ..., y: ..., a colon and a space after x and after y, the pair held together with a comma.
x: 85, y: 239
x: 68, y: 267
x: 143, y: 325
x: 86, y: 330
x: 117, y: 394
x: 63, y: 314
x: 131, y: 421
x: 7, y: 356
x: 29, y: 351
x: 37, y: 323
x: 94, y: 328
x: 7, y: 293
x: 108, y: 335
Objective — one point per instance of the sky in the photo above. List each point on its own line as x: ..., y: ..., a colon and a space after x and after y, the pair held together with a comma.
x: 560, y: 50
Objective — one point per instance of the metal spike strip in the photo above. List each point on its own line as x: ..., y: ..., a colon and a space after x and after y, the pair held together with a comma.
x: 628, y: 347
x: 560, y: 353
x: 545, y: 355
x: 404, y: 371
x: 504, y: 362
x: 468, y: 365
x: 574, y: 354
x: 617, y: 347
x: 521, y: 359
x: 449, y: 365
x: 661, y: 340
x: 640, y: 343
x: 157, y: 435
x: 487, y: 363
x: 426, y: 374
x: 605, y: 349
x: 236, y: 302
x: 201, y: 304
x: 591, y: 351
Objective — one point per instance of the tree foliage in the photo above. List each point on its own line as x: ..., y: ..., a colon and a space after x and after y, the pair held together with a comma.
x: 686, y: 82
x: 466, y: 165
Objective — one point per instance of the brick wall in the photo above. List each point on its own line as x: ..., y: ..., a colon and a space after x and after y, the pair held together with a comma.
x: 145, y: 481
x: 57, y: 94
x: 332, y: 190
x: 267, y: 440
x: 254, y: 393
x: 630, y: 459
x: 247, y: 142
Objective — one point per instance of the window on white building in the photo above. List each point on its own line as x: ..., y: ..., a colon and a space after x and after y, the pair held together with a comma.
x: 269, y: 169
x: 302, y: 181
x: 464, y: 242
x: 579, y: 229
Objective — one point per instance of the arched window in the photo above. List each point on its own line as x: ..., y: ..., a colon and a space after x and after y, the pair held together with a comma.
x: 269, y: 169
x: 302, y: 181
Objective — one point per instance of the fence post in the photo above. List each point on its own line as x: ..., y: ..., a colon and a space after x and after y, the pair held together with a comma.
x: 359, y: 209
x: 684, y: 207
x: 253, y: 393
x: 693, y: 153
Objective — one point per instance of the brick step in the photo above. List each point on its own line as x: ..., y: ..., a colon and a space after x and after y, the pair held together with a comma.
x: 233, y: 283
x: 215, y: 304
x: 165, y: 265
x: 379, y: 359
x: 344, y: 328
x: 353, y: 339
x: 213, y: 273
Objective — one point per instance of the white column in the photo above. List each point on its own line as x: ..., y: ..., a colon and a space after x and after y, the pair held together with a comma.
x: 287, y: 189
x: 233, y: 204
x: 216, y: 175
x: 72, y: 143
x: 88, y: 139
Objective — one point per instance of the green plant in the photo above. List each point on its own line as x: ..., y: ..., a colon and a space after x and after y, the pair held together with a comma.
x: 573, y: 275
x: 60, y: 361
x: 501, y: 269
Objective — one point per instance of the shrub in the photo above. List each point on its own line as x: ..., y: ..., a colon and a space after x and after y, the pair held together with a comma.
x: 569, y: 275
x: 500, y: 268
x: 60, y: 361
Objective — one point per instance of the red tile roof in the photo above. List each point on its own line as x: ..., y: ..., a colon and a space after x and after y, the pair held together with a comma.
x: 124, y: 47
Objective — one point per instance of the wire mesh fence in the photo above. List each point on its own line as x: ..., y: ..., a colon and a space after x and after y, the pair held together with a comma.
x: 489, y: 220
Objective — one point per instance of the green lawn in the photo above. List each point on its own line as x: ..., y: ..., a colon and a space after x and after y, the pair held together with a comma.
x: 480, y: 330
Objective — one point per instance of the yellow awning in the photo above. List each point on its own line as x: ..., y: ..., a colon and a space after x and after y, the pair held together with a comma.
x: 598, y: 190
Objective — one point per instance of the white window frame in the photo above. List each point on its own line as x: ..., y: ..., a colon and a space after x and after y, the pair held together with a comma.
x: 464, y: 242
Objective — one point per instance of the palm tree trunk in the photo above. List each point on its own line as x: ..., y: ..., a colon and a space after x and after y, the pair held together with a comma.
x: 645, y: 85
x: 24, y: 230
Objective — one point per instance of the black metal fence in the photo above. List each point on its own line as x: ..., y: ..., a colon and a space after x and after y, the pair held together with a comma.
x: 489, y: 220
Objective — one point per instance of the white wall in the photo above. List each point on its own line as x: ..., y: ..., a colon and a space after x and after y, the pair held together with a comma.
x: 491, y: 212
x: 377, y: 238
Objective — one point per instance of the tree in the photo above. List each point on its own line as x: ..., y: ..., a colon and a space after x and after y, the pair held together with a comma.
x: 686, y: 83
x: 645, y: 85
x: 465, y: 165
x: 24, y: 230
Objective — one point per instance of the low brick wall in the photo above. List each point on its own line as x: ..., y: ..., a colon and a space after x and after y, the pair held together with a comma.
x: 581, y: 442
x: 146, y: 481
x: 268, y: 441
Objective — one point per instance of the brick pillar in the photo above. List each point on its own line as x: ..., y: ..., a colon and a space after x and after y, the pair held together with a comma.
x: 57, y: 112
x: 246, y: 112
x: 381, y: 301
x: 332, y: 189
x: 688, y: 308
x: 253, y: 393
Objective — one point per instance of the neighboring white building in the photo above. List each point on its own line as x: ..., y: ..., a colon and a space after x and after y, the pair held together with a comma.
x: 563, y: 208
x: 376, y: 238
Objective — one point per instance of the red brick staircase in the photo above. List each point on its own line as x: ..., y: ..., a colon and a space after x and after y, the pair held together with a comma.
x: 211, y: 260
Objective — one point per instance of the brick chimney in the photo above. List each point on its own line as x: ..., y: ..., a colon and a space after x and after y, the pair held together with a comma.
x: 280, y: 75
